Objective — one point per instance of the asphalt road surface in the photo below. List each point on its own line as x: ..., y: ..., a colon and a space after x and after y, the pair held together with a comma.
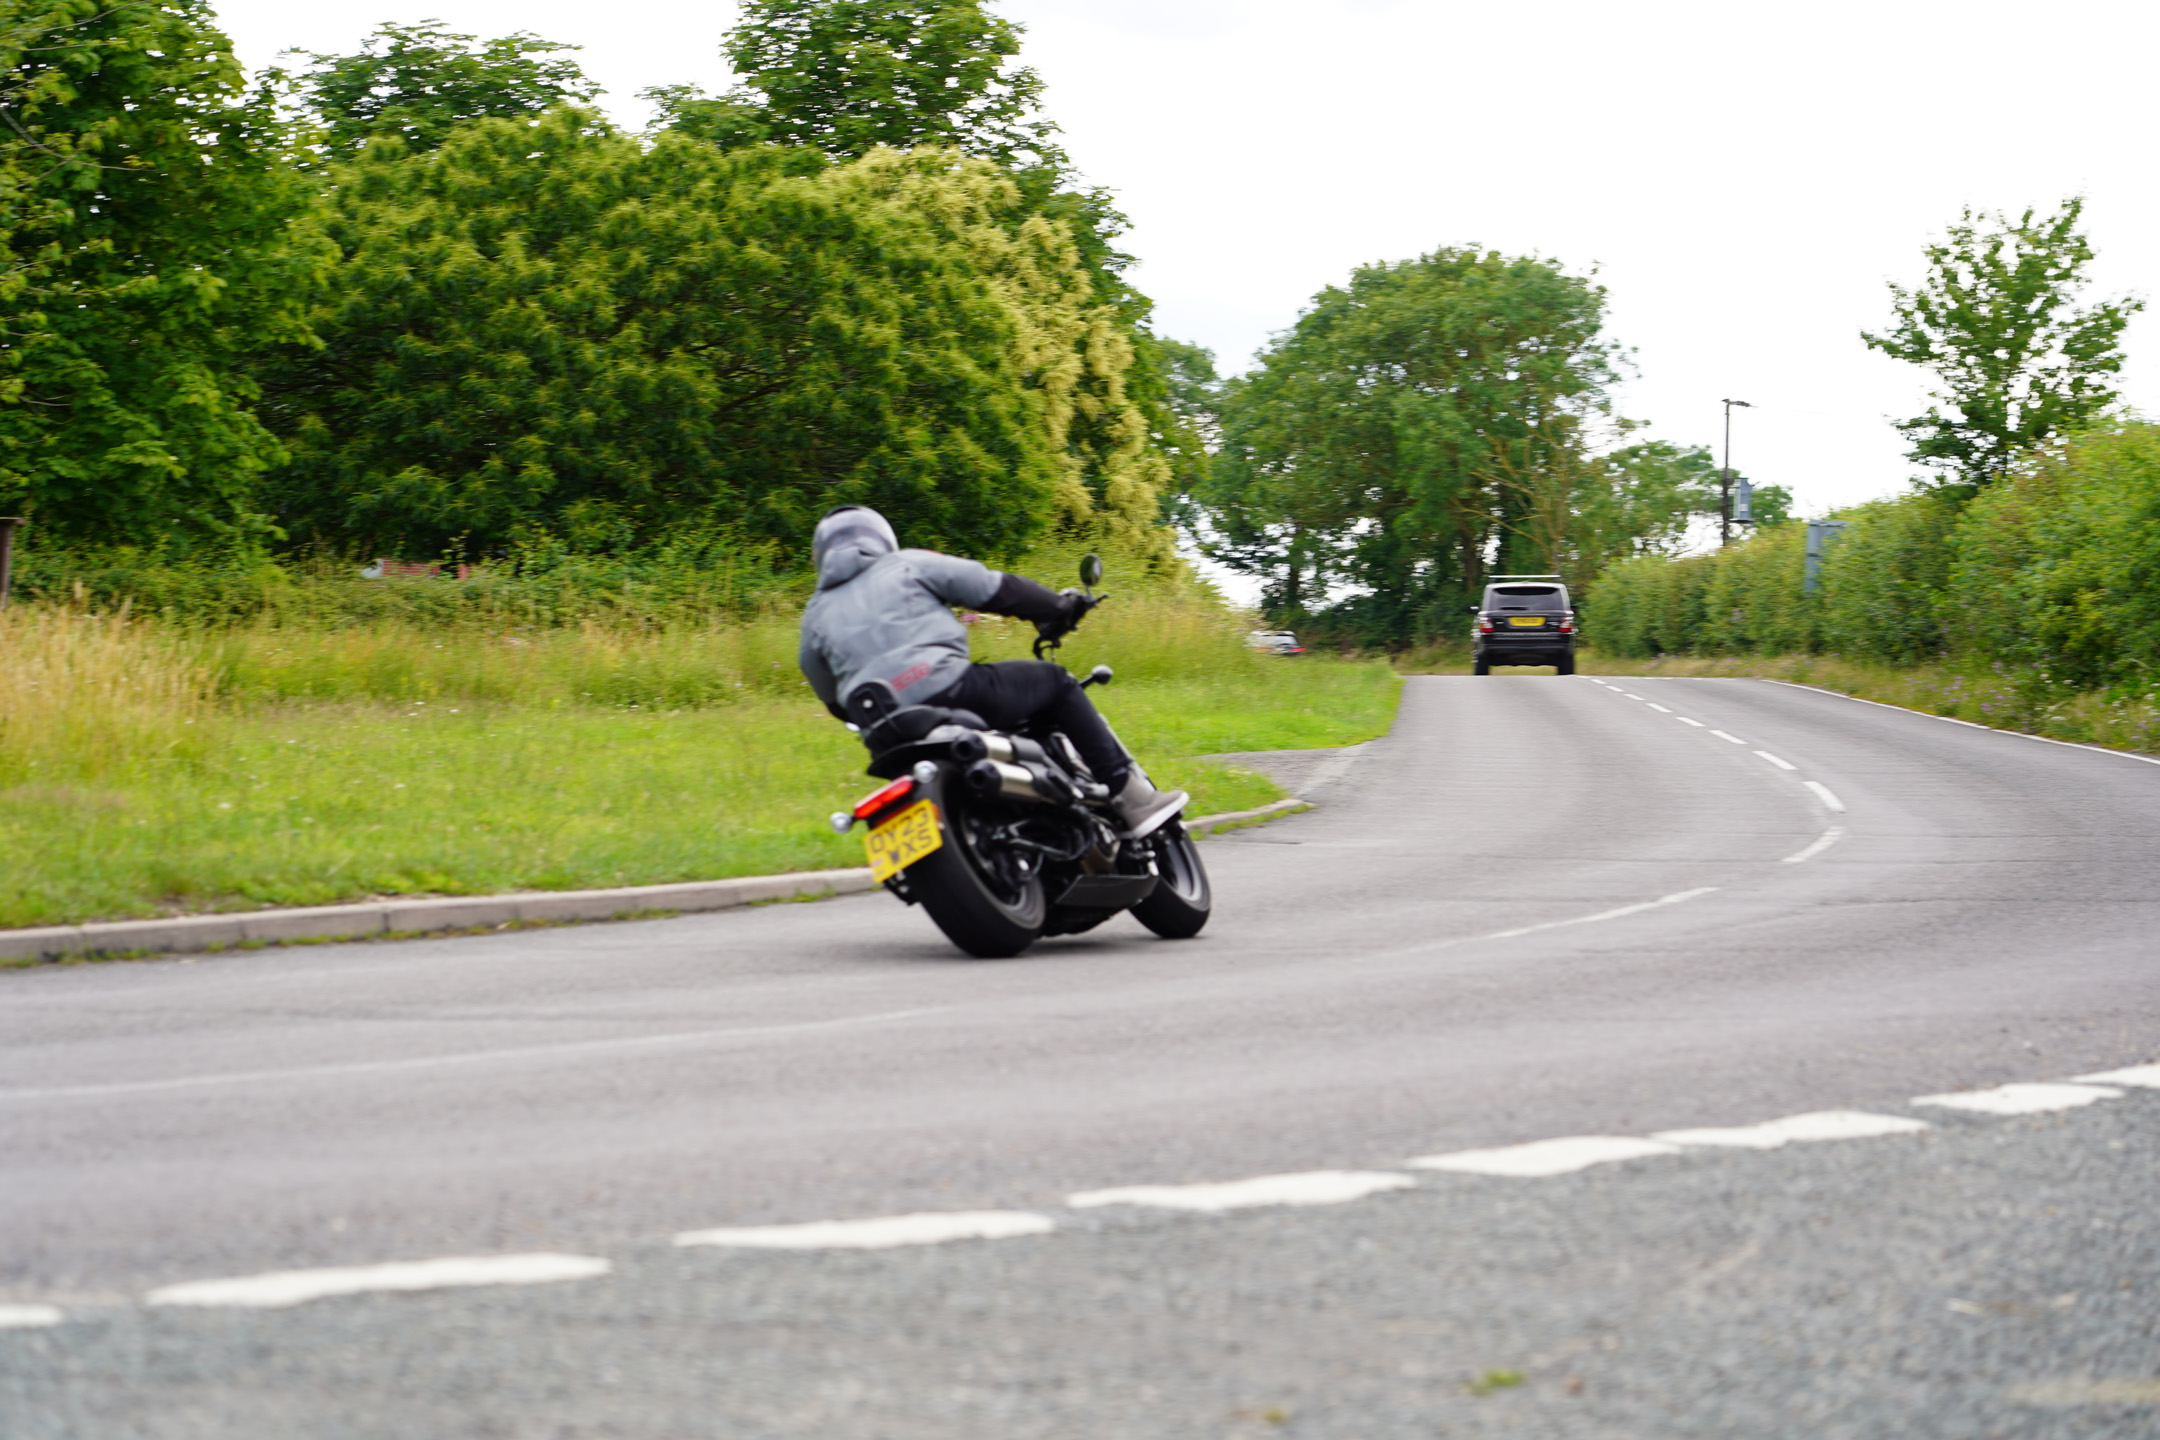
x: 1653, y: 913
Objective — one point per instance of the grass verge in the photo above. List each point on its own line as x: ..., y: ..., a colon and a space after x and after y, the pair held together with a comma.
x: 147, y: 769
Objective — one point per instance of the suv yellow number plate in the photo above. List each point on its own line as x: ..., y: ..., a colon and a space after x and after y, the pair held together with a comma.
x: 902, y: 840
x: 1526, y: 620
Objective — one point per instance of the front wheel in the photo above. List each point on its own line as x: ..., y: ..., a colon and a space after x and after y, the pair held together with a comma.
x: 1177, y: 908
x: 973, y: 890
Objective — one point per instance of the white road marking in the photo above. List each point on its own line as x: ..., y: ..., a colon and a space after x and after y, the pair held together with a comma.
x: 1781, y: 764
x: 1969, y: 724
x: 2124, y: 1390
x: 1685, y: 721
x: 1815, y: 1125
x: 884, y: 1233
x: 1660, y: 708
x: 1825, y: 794
x: 1314, y: 1187
x: 1541, y: 1158
x: 1601, y: 915
x: 469, y: 1057
x: 29, y: 1317
x: 2025, y: 1099
x: 2144, y: 1076
x: 1723, y: 736
x: 283, y: 1288
x: 1823, y: 842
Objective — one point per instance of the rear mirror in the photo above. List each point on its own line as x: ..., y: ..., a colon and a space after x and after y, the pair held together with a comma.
x: 1473, y: 609
x: 1091, y: 570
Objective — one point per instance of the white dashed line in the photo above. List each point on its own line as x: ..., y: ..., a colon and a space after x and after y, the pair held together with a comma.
x: 1823, y: 842
x: 1685, y: 721
x: 1781, y: 764
x: 279, y: 1289
x: 2145, y: 1077
x: 1723, y: 736
x: 1602, y: 914
x: 2030, y: 1099
x: 884, y: 1233
x: 1541, y: 1158
x: 1657, y: 707
x: 1826, y: 795
x: 29, y: 1317
x: 1315, y: 1187
x: 1816, y: 1125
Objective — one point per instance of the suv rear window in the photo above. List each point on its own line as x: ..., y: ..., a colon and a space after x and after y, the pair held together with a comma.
x: 1530, y: 599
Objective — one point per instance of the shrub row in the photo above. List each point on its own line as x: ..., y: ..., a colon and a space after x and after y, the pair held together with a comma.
x: 2054, y: 571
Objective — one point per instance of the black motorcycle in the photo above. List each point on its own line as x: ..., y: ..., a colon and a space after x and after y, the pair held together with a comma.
x: 1007, y: 837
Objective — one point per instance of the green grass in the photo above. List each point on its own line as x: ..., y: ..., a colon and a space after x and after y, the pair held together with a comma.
x: 150, y: 769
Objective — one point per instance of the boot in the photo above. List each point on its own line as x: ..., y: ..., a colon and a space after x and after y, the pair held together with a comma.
x: 1142, y: 807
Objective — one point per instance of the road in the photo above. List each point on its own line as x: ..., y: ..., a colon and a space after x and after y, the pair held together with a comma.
x: 1540, y: 908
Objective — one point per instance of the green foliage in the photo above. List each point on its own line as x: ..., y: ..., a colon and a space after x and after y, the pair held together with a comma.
x: 419, y: 82
x: 2058, y: 568
x: 846, y: 76
x: 1415, y: 427
x: 152, y: 240
x: 547, y: 326
x: 2017, y: 362
x: 1882, y: 580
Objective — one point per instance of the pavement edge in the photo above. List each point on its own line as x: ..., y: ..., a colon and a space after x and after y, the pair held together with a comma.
x: 383, y: 919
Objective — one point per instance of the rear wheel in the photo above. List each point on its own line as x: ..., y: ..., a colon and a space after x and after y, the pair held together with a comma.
x: 1479, y: 667
x: 1566, y: 665
x: 1177, y: 908
x: 974, y: 891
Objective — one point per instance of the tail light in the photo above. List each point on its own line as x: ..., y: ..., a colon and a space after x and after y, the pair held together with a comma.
x: 899, y: 790
x: 1484, y: 624
x: 1567, y: 624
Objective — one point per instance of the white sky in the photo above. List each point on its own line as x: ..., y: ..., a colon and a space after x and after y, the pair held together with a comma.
x: 1745, y: 178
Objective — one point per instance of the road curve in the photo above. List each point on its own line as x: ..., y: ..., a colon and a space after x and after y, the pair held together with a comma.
x: 1458, y: 949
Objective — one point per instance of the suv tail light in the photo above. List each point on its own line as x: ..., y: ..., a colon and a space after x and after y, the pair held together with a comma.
x: 1484, y: 624
x: 1567, y: 624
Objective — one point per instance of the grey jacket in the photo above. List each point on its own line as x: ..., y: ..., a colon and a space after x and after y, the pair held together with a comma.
x: 883, y: 613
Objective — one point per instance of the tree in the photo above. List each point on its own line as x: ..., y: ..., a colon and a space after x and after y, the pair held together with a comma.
x: 848, y: 79
x: 154, y: 237
x: 1430, y: 422
x: 2018, y: 362
x: 845, y: 76
x: 548, y: 326
x: 419, y: 81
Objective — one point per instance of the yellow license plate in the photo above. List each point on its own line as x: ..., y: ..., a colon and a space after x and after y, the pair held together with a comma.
x: 1526, y: 621
x: 902, y: 840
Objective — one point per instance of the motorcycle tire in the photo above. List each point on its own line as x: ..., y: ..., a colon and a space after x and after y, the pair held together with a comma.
x: 1178, y: 907
x: 987, y: 918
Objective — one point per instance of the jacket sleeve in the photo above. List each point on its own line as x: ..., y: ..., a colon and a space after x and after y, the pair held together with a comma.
x: 820, y: 676
x: 955, y: 581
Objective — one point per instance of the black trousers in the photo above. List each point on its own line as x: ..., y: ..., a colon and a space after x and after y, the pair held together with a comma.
x: 1011, y: 693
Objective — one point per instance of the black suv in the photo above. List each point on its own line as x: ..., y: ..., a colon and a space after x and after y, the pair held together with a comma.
x: 1524, y: 621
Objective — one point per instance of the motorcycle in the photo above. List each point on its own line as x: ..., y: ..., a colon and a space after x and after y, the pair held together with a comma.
x: 1004, y: 838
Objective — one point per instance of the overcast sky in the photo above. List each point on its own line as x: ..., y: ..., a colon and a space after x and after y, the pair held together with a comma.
x: 1745, y: 179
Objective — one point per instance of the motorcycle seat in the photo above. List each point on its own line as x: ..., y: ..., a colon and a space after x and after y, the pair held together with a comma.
x: 911, y: 723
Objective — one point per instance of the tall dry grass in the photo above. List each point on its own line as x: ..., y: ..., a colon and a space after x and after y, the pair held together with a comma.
x: 84, y: 697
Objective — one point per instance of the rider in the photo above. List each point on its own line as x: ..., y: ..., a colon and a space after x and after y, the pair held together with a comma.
x: 883, y: 613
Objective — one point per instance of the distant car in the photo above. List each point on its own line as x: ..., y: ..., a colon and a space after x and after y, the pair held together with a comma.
x: 1524, y: 622
x: 1274, y: 642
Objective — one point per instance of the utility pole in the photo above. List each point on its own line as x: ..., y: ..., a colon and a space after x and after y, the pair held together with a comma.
x: 1725, y: 478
